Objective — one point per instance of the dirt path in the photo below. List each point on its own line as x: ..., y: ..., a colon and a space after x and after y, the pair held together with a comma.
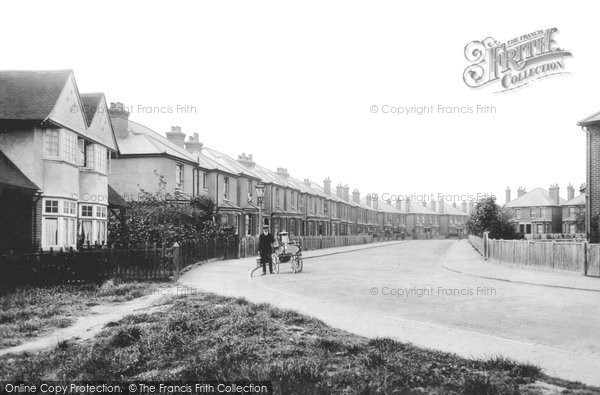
x: 89, y: 325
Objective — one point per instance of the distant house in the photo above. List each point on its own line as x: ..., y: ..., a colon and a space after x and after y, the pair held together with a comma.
x: 571, y: 210
x: 55, y: 148
x: 538, y: 211
x: 452, y: 220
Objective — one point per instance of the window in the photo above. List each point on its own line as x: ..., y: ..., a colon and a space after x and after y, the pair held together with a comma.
x: 86, y: 232
x: 81, y: 152
x: 571, y: 211
x: 226, y: 187
x: 542, y: 212
x: 87, y: 211
x: 101, y: 159
x: 195, y: 181
x: 89, y: 156
x: 52, y: 139
x: 101, y: 211
x: 101, y: 233
x: 532, y: 213
x: 70, y: 147
x: 50, y: 231
x: 179, y: 176
x: 51, y: 206
x: 540, y: 228
x: 518, y: 214
x: 69, y: 231
x: 69, y: 208
x: 277, y: 196
x: 204, y: 181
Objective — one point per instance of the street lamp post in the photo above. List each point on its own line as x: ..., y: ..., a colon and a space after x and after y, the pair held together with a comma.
x: 260, y: 194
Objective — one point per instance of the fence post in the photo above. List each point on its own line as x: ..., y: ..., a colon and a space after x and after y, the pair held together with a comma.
x: 176, y: 263
x: 485, y: 246
x: 585, y: 257
x: 553, y: 254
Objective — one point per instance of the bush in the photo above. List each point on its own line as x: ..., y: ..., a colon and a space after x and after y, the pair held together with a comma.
x: 162, y: 218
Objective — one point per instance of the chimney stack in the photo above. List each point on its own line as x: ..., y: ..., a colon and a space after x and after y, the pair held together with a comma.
x: 454, y: 204
x: 307, y: 183
x: 570, y: 192
x: 582, y: 188
x: 346, y: 191
x: 327, y: 186
x: 356, y: 196
x: 119, y: 117
x: 471, y: 206
x: 283, y: 172
x: 433, y: 205
x: 246, y: 160
x: 368, y: 200
x: 339, y: 191
x: 193, y: 145
x: 464, y: 206
x: 521, y: 191
x: 408, y: 205
x: 554, y: 194
x: 441, y: 207
x: 176, y: 136
x: 507, y: 194
x: 398, y: 204
x: 375, y: 199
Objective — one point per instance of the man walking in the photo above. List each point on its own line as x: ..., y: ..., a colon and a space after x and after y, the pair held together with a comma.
x: 265, y: 249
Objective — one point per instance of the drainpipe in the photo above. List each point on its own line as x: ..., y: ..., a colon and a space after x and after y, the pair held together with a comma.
x: 38, y: 196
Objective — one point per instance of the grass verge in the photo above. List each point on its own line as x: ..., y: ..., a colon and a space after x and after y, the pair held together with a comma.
x: 31, y: 311
x: 208, y: 337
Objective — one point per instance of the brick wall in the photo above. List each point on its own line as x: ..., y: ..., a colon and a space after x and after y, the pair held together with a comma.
x: 593, y: 172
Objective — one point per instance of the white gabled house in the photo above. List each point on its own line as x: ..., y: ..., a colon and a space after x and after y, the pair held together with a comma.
x: 58, y: 141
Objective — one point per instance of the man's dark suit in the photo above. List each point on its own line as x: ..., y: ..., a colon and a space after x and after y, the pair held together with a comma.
x: 264, y: 248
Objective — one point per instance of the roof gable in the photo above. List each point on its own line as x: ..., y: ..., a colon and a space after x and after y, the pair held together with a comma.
x: 30, y: 95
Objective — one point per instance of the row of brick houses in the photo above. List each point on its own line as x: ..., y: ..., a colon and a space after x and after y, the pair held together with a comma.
x: 67, y: 159
x: 301, y: 207
x: 543, y: 211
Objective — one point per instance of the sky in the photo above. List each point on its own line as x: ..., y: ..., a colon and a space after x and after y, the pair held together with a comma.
x: 294, y: 84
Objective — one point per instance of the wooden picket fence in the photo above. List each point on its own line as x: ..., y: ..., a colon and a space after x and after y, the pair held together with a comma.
x: 145, y: 262
x: 573, y: 256
x: 249, y: 245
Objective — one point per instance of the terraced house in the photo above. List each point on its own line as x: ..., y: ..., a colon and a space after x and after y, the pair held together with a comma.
x: 151, y: 162
x: 55, y: 147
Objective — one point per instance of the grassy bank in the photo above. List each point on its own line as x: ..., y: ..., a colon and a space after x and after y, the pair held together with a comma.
x: 31, y: 311
x: 203, y: 336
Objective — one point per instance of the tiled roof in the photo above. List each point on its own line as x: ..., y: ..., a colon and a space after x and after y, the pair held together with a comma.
x: 451, y: 210
x: 143, y: 140
x: 576, y: 201
x: 416, y: 208
x: 228, y: 164
x: 91, y: 102
x: 11, y: 175
x: 536, y: 197
x: 388, y: 208
x: 30, y: 95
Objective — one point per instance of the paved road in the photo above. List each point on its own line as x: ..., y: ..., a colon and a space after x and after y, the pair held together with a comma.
x: 403, y: 291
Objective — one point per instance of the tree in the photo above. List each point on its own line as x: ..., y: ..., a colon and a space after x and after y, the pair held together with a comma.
x: 487, y: 216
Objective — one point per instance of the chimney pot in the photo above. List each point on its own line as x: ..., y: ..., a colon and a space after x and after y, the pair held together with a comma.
x: 119, y: 118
